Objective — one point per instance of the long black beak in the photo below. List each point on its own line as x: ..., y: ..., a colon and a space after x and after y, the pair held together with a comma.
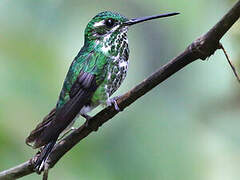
x: 142, y: 19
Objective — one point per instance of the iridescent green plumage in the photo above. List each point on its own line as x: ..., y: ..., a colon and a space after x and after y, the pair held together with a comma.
x: 105, y: 55
x: 95, y: 74
x: 103, y: 49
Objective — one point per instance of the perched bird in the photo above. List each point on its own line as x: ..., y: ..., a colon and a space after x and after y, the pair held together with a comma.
x: 95, y: 74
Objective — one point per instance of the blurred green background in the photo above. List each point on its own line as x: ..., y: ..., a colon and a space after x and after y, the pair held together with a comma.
x: 186, y: 129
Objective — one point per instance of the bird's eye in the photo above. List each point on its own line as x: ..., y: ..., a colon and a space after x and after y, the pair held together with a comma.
x: 109, y: 23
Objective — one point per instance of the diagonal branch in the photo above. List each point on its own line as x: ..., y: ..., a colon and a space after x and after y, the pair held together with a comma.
x: 201, y: 48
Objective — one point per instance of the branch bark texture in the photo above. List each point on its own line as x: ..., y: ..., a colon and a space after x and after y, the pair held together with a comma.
x: 201, y: 48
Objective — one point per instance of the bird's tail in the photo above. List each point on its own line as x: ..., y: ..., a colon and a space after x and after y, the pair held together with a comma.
x: 44, y: 154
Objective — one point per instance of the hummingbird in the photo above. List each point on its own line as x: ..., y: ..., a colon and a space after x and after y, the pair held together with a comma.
x: 95, y: 74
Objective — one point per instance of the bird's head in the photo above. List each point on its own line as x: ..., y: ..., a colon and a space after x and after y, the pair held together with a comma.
x: 106, y: 24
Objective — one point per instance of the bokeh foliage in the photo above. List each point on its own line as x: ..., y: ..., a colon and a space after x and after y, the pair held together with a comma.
x: 187, y: 128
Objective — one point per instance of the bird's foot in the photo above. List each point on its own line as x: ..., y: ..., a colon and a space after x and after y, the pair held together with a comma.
x: 113, y: 101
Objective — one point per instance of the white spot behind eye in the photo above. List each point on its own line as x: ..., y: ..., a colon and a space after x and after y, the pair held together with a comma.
x: 97, y: 24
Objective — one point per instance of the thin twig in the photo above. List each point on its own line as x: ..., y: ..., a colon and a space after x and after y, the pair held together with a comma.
x: 229, y: 62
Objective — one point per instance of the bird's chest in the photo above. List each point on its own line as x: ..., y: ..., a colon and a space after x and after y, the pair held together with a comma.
x: 117, y: 72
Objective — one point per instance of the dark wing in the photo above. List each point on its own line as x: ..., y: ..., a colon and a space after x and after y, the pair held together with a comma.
x: 40, y: 127
x: 80, y: 94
